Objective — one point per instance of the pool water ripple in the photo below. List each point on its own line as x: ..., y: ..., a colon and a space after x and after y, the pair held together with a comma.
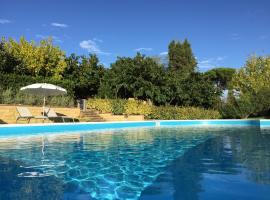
x: 115, y: 165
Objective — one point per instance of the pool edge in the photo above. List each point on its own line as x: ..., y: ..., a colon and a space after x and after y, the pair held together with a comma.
x: 24, y: 129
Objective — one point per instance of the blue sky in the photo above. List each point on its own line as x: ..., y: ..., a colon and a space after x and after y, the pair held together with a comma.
x: 221, y: 32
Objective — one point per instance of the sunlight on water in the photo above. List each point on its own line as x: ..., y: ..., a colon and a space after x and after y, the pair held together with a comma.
x: 116, y: 164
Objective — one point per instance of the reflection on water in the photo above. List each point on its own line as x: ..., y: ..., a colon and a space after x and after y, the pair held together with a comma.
x: 159, y: 163
x: 13, y: 187
x: 235, y: 165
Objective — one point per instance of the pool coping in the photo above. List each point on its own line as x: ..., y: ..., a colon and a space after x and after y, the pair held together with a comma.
x: 42, y: 128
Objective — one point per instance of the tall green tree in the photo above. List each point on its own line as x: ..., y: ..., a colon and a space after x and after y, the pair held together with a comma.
x: 139, y: 77
x: 221, y: 76
x: 86, y: 73
x: 194, y: 90
x: 181, y: 57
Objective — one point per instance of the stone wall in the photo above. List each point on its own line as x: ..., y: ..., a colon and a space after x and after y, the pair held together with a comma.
x: 8, y: 113
x: 111, y: 117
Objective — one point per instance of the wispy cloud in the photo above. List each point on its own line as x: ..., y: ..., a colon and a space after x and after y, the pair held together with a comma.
x: 98, y: 40
x: 263, y: 37
x: 92, y: 47
x: 144, y: 49
x: 59, y: 25
x: 56, y: 39
x: 4, y: 21
x: 165, y: 53
x: 235, y: 36
x: 209, y: 63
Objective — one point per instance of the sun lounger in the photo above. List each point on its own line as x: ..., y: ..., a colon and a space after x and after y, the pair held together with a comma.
x: 51, y: 114
x: 24, y: 113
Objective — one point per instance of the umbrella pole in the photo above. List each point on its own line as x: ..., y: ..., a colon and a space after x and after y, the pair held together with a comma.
x: 44, y: 100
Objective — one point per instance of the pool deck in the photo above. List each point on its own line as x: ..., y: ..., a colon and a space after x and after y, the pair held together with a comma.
x: 41, y: 128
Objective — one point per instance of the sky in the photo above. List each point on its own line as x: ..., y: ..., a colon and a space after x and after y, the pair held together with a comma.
x: 221, y: 32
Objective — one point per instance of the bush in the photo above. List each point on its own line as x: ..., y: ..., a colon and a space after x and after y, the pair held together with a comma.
x: 101, y: 105
x: 136, y: 107
x: 242, y: 107
x: 14, y: 82
x: 118, y: 106
x: 10, y: 96
x: 177, y: 113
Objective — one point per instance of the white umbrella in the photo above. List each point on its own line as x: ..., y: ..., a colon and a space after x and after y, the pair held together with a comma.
x: 44, y: 89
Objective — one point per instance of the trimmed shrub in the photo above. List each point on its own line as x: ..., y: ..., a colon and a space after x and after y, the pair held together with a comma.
x: 101, y: 105
x: 177, y: 113
x: 118, y: 106
x: 136, y: 107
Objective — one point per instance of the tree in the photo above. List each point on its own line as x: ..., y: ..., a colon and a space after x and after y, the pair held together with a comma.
x: 181, y: 57
x: 43, y: 59
x: 86, y: 72
x: 139, y: 77
x: 7, y: 61
x: 252, y: 84
x: 194, y: 90
x: 254, y: 76
x: 221, y: 76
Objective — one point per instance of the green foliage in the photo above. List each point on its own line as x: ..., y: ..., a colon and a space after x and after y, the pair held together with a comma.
x: 43, y: 59
x: 178, y: 113
x: 221, y: 77
x: 86, y: 72
x: 15, y: 82
x: 194, y: 90
x: 10, y: 96
x: 118, y: 106
x: 101, y: 105
x: 237, y: 108
x: 139, y: 77
x: 251, y: 83
x: 181, y: 57
x: 137, y: 107
x: 253, y: 77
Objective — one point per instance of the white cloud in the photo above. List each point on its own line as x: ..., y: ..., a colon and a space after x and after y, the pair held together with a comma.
x: 206, y: 64
x: 59, y: 25
x: 221, y: 58
x: 98, y: 40
x: 4, y: 21
x: 43, y: 37
x: 163, y: 53
x: 92, y: 47
x: 143, y: 49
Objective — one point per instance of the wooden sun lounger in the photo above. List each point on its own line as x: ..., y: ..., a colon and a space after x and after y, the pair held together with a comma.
x: 50, y: 113
x: 24, y: 113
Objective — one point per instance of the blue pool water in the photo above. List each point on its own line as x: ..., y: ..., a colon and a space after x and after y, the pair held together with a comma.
x: 142, y: 163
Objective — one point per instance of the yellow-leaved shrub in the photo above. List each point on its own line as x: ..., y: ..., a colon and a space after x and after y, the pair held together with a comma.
x: 138, y: 107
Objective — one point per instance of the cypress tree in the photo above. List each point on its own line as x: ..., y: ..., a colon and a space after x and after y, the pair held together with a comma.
x: 181, y: 58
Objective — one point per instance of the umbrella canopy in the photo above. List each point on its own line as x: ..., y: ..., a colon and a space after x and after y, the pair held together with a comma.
x: 44, y: 89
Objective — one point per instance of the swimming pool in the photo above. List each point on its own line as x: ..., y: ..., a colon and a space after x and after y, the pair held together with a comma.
x: 143, y: 162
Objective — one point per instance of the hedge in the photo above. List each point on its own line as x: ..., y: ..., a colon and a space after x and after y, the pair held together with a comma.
x: 136, y: 107
x: 178, y: 113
